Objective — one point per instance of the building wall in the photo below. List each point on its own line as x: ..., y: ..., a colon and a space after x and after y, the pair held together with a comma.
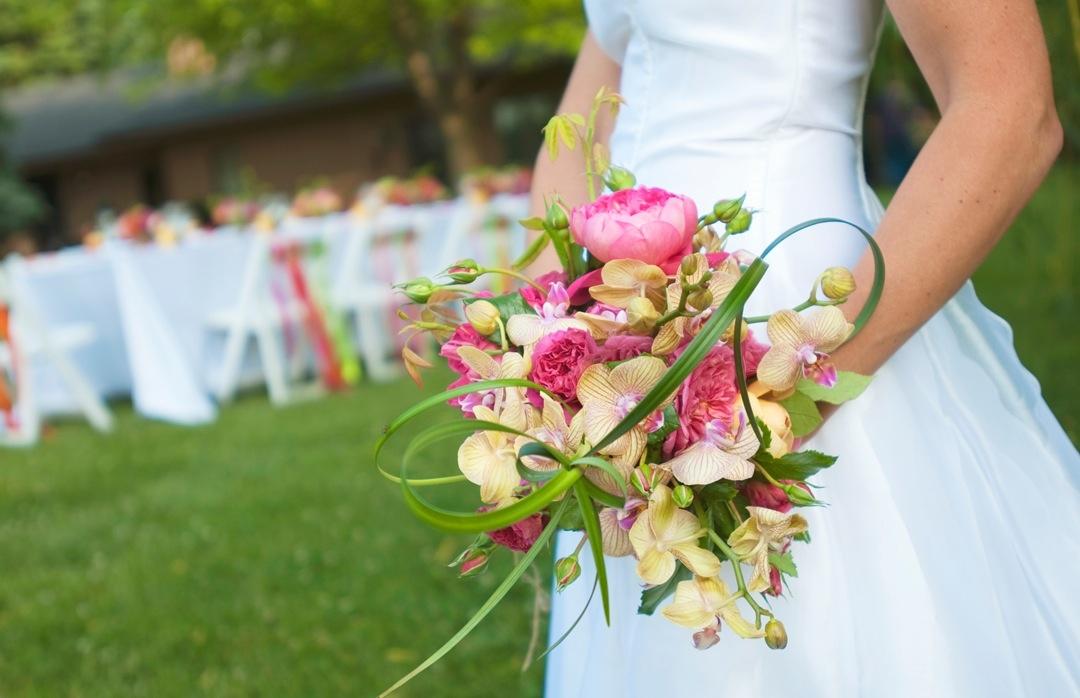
x: 84, y: 189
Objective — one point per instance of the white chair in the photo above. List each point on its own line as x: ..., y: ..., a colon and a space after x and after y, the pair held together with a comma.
x: 487, y: 231
x: 260, y: 317
x: 33, y: 340
x: 387, y: 245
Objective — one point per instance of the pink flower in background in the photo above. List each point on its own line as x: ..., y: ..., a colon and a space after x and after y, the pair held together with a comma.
x: 559, y: 358
x: 464, y: 335
x: 621, y: 347
x: 644, y: 223
x: 708, y: 394
x: 752, y: 351
x: 521, y: 535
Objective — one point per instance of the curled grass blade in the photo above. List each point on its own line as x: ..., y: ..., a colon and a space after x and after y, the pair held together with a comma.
x: 588, y: 602
x: 492, y: 601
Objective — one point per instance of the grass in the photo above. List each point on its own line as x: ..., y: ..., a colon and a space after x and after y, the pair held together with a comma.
x: 262, y: 555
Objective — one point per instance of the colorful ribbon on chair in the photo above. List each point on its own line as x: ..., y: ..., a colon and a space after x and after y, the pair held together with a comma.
x: 326, y: 360
x: 9, y: 389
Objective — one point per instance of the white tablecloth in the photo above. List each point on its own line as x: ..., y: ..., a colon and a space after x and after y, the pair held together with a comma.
x: 149, y: 305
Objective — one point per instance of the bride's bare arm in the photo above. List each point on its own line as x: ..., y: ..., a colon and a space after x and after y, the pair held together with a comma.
x: 987, y: 65
x: 593, y: 70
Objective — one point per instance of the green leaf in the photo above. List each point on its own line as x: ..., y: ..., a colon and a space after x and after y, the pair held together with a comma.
x: 596, y: 544
x: 535, y: 448
x: 804, y: 413
x: 799, y: 466
x: 551, y: 137
x: 605, y: 465
x: 652, y: 597
x: 849, y: 385
x: 785, y: 563
x: 534, y: 223
x: 718, y: 493
x: 500, y: 591
x: 870, y: 305
x: 692, y: 355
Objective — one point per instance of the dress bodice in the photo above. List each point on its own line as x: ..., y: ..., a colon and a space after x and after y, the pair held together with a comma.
x: 739, y: 69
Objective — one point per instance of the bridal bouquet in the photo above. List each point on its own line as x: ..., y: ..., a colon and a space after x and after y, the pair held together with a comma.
x: 626, y: 396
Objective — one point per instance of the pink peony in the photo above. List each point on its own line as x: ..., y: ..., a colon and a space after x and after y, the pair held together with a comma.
x: 464, y: 335
x: 560, y: 358
x: 520, y: 536
x: 645, y: 223
x: 621, y: 347
x: 708, y: 393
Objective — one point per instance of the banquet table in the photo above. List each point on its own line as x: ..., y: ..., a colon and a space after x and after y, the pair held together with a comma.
x: 148, y: 304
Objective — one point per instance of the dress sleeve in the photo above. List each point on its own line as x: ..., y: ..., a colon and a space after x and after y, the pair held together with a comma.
x: 610, y: 24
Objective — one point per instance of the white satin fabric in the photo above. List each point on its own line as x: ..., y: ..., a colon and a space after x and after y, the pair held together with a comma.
x: 947, y: 563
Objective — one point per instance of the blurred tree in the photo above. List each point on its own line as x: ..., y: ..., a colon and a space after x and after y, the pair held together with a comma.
x: 442, y: 45
x: 50, y: 37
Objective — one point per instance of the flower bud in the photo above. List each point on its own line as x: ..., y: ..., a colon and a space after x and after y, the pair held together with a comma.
x: 473, y: 563
x: 837, y: 283
x: 483, y: 316
x: 799, y: 495
x: 726, y: 209
x: 683, y: 496
x: 642, y: 479
x: 556, y: 217
x: 618, y: 178
x: 700, y: 299
x: 775, y: 635
x: 690, y: 265
x: 740, y: 223
x: 464, y: 272
x: 641, y: 315
x: 567, y: 570
x: 419, y: 290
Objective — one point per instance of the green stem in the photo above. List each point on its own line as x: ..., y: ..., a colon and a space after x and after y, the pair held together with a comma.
x: 531, y: 252
x: 503, y: 340
x: 514, y: 274
x: 739, y: 581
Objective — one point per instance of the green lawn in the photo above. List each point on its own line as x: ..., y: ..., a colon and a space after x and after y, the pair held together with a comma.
x: 262, y: 555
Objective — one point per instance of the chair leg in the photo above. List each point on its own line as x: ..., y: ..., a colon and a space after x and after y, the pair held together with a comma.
x: 372, y: 349
x: 235, y: 342
x: 273, y: 364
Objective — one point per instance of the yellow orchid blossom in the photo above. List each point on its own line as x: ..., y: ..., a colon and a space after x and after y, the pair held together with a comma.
x: 489, y: 459
x: 510, y: 403
x: 664, y: 533
x: 615, y: 525
x: 607, y: 395
x: 764, y: 531
x: 801, y: 346
x: 627, y: 279
x: 721, y: 454
x: 554, y: 431
x: 703, y: 603
x: 721, y: 282
x: 526, y: 329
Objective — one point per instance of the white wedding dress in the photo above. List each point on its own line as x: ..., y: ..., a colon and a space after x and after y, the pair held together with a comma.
x: 948, y: 561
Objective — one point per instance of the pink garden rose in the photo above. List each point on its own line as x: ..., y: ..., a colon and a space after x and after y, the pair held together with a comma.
x: 560, y: 358
x: 521, y: 535
x: 621, y: 347
x: 645, y: 223
x: 708, y: 394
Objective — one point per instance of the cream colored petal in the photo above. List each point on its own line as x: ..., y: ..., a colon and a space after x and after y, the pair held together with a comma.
x: 730, y: 615
x: 595, y: 386
x: 641, y: 534
x: 720, y: 286
x: 600, y: 418
x: 828, y: 328
x: 661, y: 511
x: 600, y: 327
x: 700, y: 464
x: 632, y: 272
x: 668, y: 338
x: 605, y: 481
x: 513, y: 365
x: 759, y: 580
x: 745, y: 539
x: 554, y: 417
x: 779, y: 368
x: 500, y: 480
x: 689, y: 614
x: 638, y: 375
x: 576, y: 432
x: 480, y: 361
x: 698, y: 560
x: 746, y: 445
x: 656, y: 567
x: 616, y: 539
x: 617, y: 296
x: 627, y: 449
x: 524, y: 329
x: 474, y: 456
x: 485, y: 414
x: 682, y: 527
x: 514, y: 412
x: 786, y: 328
